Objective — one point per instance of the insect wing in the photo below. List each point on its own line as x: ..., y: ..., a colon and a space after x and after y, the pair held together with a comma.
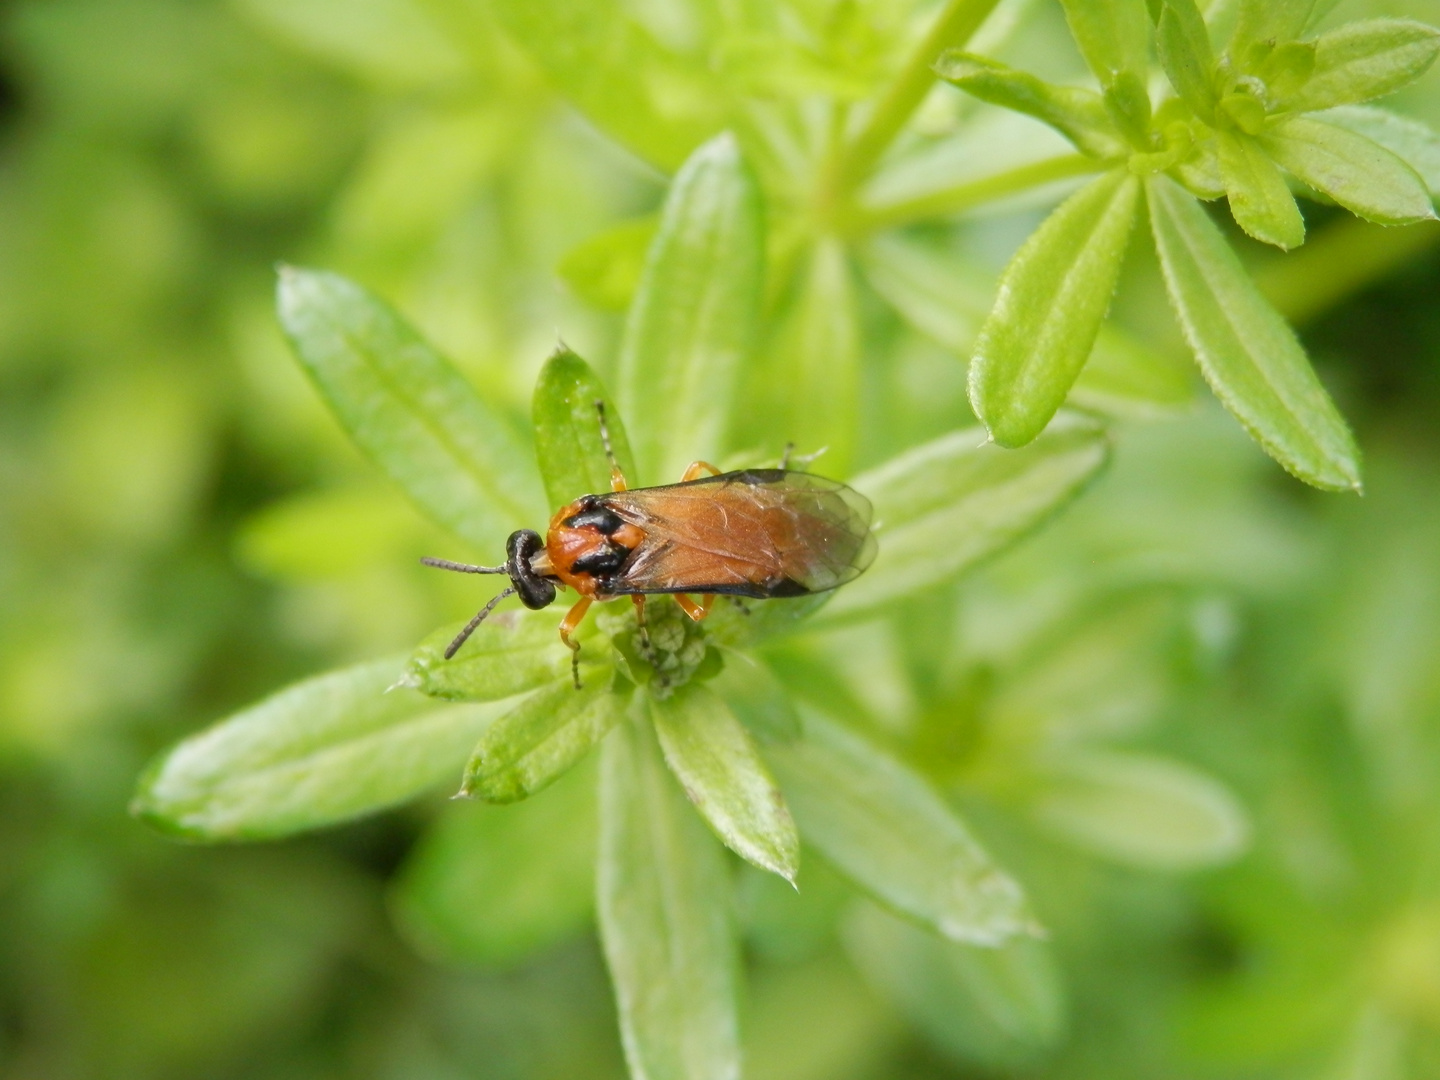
x: 760, y: 533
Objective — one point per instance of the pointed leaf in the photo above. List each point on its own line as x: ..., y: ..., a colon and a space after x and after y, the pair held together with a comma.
x: 1184, y: 47
x: 941, y: 295
x: 513, y: 651
x: 1359, y: 174
x: 1287, y: 67
x: 417, y: 417
x: 1113, y: 36
x: 1142, y: 810
x: 717, y: 764
x: 1364, y: 60
x: 536, y: 742
x: 894, y: 836
x: 324, y: 750
x: 1127, y: 103
x: 1076, y: 113
x: 1264, y: 22
x: 1246, y: 351
x: 493, y: 885
x: 944, y: 506
x: 567, y: 430
x: 657, y: 103
x: 1260, y: 200
x: 1415, y: 143
x: 1053, y: 297
x: 696, y: 313
x: 662, y: 896
x: 999, y: 1007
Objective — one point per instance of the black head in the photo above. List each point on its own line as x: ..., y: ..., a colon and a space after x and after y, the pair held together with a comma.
x: 534, y: 591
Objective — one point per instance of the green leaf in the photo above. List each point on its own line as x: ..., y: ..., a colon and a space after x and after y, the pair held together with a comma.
x: 1245, y: 111
x: 658, y: 104
x: 417, y: 417
x: 1184, y: 47
x: 1199, y: 165
x: 513, y: 651
x: 1364, y: 60
x: 1246, y: 351
x: 493, y: 885
x: 696, y: 313
x: 814, y: 361
x: 324, y: 750
x: 1264, y: 22
x: 1000, y: 1007
x: 1414, y: 142
x: 1141, y: 810
x: 1287, y: 67
x: 716, y: 762
x: 662, y: 895
x: 567, y: 430
x: 1260, y: 200
x: 604, y: 270
x: 944, y: 506
x: 758, y: 698
x: 541, y: 738
x: 1053, y: 297
x: 1076, y: 113
x: 1359, y: 174
x: 888, y: 831
x: 1113, y: 36
x: 1127, y: 103
x: 941, y: 295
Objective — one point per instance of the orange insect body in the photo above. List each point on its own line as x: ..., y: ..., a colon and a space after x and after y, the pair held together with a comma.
x: 759, y: 533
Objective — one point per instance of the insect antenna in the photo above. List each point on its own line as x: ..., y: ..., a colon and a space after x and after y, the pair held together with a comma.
x: 463, y: 568
x: 617, y: 478
x: 454, y: 646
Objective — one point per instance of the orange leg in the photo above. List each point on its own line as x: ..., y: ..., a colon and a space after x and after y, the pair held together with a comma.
x: 696, y: 468
x: 691, y: 608
x: 568, y: 626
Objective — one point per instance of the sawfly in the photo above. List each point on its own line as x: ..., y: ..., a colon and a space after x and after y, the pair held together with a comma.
x: 756, y: 533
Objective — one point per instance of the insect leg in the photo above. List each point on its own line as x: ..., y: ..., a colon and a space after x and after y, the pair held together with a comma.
x: 644, y: 627
x: 785, y: 457
x: 696, y: 468
x: 691, y: 608
x: 617, y: 478
x: 568, y: 626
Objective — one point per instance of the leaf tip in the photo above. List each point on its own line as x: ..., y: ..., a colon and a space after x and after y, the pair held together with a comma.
x: 408, y: 680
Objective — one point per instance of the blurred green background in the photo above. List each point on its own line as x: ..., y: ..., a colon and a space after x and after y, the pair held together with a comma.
x: 183, y: 528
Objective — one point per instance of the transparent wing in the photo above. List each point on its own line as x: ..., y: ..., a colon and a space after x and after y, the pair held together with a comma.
x: 760, y: 532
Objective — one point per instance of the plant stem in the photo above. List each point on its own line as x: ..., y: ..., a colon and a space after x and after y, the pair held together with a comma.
x: 972, y: 193
x: 954, y: 26
x: 1338, y: 261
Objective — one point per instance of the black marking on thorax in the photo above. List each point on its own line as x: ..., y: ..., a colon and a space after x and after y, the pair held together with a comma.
x: 595, y: 516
